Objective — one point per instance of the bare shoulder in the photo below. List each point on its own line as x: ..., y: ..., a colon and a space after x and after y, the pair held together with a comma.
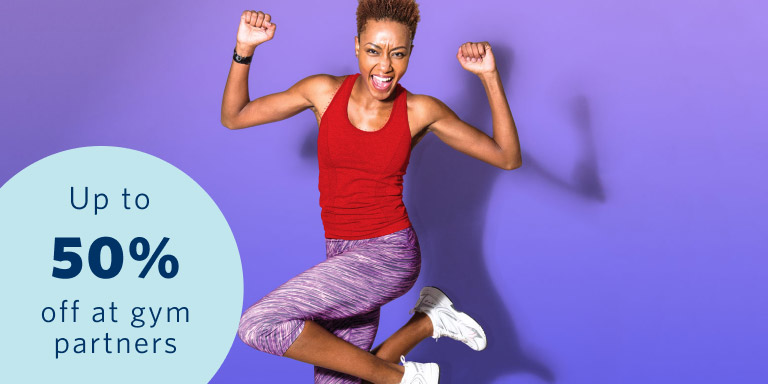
x: 318, y: 85
x: 319, y: 90
x: 423, y: 110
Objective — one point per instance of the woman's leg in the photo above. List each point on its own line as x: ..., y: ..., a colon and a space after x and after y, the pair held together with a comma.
x: 359, y: 331
x: 281, y: 323
x: 358, y: 280
x: 435, y: 316
x: 316, y: 345
x: 418, y: 328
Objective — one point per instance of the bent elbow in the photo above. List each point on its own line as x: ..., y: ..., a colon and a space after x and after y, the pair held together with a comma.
x: 513, y: 165
x: 227, y: 123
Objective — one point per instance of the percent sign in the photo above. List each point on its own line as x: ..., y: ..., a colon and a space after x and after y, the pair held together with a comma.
x: 164, y: 261
x: 116, y: 259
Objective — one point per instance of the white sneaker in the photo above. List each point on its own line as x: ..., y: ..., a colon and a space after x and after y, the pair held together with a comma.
x: 420, y: 373
x: 447, y: 321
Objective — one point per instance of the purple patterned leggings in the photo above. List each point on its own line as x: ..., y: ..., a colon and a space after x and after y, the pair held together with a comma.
x: 343, y: 294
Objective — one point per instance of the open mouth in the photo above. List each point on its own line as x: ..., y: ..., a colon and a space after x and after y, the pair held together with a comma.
x: 382, y: 83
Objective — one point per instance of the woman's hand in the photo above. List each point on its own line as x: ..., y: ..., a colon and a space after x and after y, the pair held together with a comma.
x: 477, y: 57
x: 255, y: 28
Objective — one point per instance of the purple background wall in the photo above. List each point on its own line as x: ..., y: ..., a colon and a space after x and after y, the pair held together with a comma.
x: 629, y: 248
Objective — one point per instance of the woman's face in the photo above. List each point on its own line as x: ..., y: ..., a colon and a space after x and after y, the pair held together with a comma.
x: 383, y: 50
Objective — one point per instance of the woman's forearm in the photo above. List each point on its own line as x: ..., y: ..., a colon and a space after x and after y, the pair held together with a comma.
x: 255, y: 28
x: 504, y: 129
x: 236, y: 90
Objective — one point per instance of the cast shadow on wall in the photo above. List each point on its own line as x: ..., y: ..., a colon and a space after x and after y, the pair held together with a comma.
x: 447, y: 195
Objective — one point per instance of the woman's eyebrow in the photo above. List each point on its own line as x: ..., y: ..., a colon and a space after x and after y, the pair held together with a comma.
x: 377, y: 47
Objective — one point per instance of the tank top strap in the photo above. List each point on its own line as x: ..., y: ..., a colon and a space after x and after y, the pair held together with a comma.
x: 333, y: 113
x: 347, y: 85
x: 400, y: 109
x: 343, y: 93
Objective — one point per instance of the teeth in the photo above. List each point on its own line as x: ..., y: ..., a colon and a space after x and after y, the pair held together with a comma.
x: 383, y: 79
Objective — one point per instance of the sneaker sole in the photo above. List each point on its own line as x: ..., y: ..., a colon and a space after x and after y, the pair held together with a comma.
x: 463, y: 316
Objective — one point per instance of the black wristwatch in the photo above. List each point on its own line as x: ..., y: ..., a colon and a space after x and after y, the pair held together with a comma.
x: 241, y: 59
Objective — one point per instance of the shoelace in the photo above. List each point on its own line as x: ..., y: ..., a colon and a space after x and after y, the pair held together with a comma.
x: 418, y: 304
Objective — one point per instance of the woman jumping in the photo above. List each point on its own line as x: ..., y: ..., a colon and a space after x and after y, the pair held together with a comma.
x: 368, y: 123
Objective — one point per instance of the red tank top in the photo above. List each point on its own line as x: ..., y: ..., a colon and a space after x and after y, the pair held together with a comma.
x: 361, y: 172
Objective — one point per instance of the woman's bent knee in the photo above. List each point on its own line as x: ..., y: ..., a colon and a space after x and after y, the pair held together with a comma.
x: 268, y: 332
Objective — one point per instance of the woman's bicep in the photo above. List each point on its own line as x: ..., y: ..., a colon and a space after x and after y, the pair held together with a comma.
x: 275, y: 106
x: 464, y: 137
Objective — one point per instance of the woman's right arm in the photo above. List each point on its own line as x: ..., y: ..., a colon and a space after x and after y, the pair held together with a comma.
x: 237, y: 109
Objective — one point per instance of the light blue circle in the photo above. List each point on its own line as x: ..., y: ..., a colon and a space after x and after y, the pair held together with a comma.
x: 36, y: 207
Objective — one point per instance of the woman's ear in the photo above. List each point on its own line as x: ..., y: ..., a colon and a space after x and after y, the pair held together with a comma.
x: 412, y: 48
x: 357, y: 45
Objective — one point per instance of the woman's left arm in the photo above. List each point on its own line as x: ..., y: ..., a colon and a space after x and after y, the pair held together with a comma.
x: 501, y: 150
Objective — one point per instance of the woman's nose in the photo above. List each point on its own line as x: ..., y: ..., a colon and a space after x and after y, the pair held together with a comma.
x: 385, y: 63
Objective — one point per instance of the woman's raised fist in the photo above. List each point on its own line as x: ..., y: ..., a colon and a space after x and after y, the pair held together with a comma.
x: 255, y: 28
x: 476, y: 57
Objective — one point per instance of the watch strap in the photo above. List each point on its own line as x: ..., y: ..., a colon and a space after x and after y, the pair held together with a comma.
x: 241, y: 59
